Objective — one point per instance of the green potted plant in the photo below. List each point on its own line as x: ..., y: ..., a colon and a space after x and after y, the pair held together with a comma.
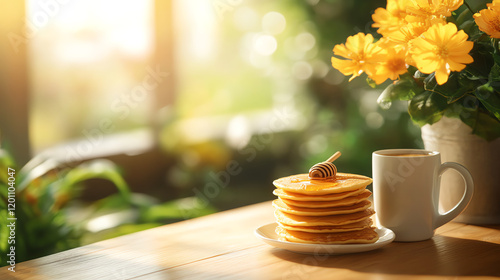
x: 41, y: 200
x: 442, y: 57
x: 35, y: 199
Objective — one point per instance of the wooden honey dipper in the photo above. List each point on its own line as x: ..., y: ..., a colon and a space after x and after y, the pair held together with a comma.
x: 326, y: 169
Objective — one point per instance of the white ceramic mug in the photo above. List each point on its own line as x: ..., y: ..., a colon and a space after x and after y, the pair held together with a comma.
x: 406, y: 192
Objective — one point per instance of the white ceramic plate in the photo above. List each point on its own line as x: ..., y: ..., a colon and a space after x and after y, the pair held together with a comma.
x: 267, y: 234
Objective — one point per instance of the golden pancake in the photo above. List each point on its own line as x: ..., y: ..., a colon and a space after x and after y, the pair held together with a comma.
x: 333, y: 203
x: 342, y: 182
x: 311, y: 197
x: 325, y: 229
x: 302, y: 211
x: 333, y: 220
x: 363, y: 236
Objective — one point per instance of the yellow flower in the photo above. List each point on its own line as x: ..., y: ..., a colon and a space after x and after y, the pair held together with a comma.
x: 405, y: 35
x: 390, y: 19
x: 360, y: 54
x: 441, y: 49
x: 392, y: 66
x: 419, y: 10
x: 412, y: 30
x: 488, y: 20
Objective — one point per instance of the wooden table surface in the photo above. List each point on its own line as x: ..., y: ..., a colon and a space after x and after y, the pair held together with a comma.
x: 223, y: 246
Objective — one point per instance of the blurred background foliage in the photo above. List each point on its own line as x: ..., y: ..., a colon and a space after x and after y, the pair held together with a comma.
x: 278, y: 67
x: 50, y: 217
x: 255, y: 98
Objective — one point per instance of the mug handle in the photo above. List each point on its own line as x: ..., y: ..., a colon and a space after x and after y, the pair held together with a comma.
x: 441, y: 219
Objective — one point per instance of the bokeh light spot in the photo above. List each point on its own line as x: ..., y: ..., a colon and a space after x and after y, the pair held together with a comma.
x: 273, y: 23
x: 265, y: 45
x: 302, y: 70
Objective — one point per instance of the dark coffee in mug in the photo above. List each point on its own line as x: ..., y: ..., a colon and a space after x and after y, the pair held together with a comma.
x: 408, y: 155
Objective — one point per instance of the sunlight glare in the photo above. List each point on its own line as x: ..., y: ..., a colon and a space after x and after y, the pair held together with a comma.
x: 197, y: 27
x: 238, y: 132
x: 246, y: 19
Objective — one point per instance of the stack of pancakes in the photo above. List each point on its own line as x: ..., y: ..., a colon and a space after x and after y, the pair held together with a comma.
x: 328, y: 211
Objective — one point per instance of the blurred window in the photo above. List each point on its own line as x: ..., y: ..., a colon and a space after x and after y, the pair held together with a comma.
x: 90, y: 68
x: 235, y: 69
x: 240, y: 68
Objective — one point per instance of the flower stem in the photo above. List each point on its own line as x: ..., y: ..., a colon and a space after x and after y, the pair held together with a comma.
x: 468, y: 7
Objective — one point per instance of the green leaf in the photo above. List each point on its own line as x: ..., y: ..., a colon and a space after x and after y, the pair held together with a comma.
x: 103, y: 169
x: 404, y: 89
x: 34, y: 169
x: 489, y: 98
x: 371, y: 82
x: 4, y: 192
x: 494, y: 76
x: 4, y: 233
x: 118, y: 202
x: 464, y: 16
x: 487, y: 127
x: 6, y: 161
x: 496, y: 58
x: 47, y: 199
x: 66, y: 180
x: 465, y: 109
x: 3, y: 196
x: 470, y: 27
x: 483, y: 61
x: 470, y: 111
x: 427, y: 108
x: 455, y: 88
x: 467, y: 26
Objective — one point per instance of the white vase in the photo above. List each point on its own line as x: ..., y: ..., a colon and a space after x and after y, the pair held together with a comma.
x: 454, y: 140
